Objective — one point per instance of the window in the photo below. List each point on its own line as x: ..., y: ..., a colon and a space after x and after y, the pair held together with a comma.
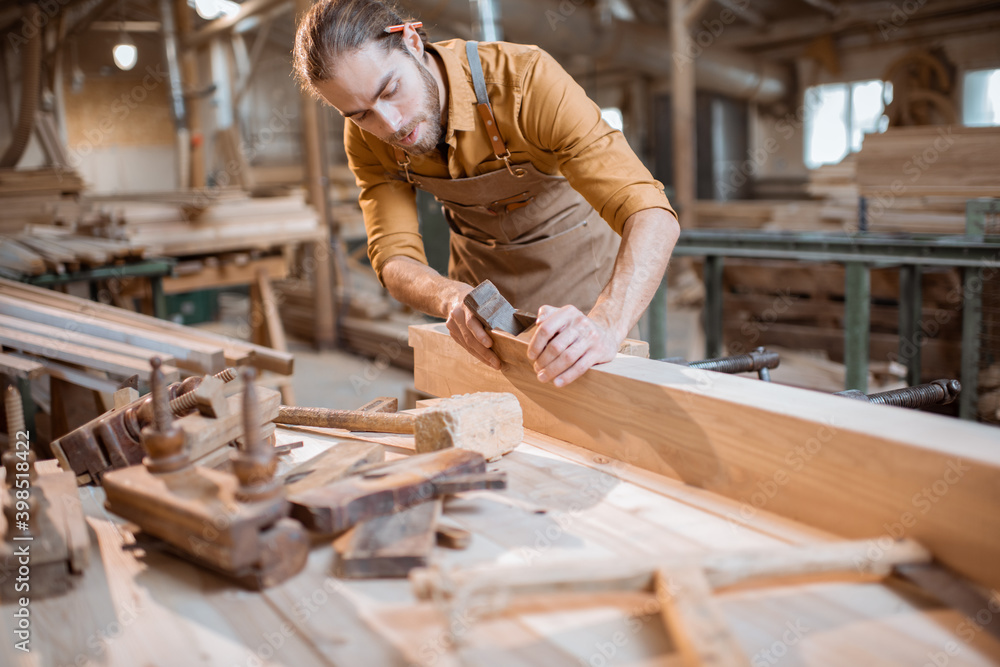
x: 981, y: 98
x: 838, y: 116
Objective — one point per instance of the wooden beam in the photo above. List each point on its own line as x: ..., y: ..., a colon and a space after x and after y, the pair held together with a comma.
x: 943, y: 18
x: 694, y: 622
x: 682, y: 107
x: 59, y: 335
x: 316, y: 183
x: 20, y: 368
x: 81, y: 378
x: 831, y: 8
x: 236, y: 351
x: 88, y: 357
x: 694, y: 10
x: 192, y: 103
x: 745, y: 12
x: 202, y: 358
x: 227, y: 274
x: 227, y: 23
x: 855, y: 469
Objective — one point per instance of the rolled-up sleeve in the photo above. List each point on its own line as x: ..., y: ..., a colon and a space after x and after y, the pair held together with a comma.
x: 388, y: 205
x: 557, y: 116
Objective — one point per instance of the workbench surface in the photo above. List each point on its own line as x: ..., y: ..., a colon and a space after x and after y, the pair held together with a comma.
x: 563, y: 504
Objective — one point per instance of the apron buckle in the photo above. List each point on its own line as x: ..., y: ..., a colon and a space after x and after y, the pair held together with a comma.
x: 405, y: 166
x: 514, y: 171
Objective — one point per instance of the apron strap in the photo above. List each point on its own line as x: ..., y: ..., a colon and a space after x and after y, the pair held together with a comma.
x: 485, y: 110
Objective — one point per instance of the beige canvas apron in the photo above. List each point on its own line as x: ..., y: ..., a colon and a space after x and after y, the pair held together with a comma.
x: 530, y: 233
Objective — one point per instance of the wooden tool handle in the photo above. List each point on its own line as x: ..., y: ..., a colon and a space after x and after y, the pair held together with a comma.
x: 352, y: 420
x: 721, y: 569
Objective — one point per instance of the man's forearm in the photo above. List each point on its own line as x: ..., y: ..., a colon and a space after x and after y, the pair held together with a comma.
x: 648, y: 239
x: 421, y: 287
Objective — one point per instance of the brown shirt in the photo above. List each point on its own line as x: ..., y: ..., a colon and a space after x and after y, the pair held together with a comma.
x: 544, y: 116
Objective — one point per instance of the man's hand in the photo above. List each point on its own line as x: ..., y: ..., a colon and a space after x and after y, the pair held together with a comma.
x: 566, y: 343
x: 470, y: 334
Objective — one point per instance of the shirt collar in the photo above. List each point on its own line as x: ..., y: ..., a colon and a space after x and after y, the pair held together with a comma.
x: 461, y: 95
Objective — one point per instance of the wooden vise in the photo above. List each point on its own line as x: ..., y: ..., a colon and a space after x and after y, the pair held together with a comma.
x: 235, y: 523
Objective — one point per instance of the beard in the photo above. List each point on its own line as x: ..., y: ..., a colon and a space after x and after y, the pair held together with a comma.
x: 430, y: 115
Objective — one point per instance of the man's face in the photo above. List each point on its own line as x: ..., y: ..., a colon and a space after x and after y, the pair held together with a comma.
x: 391, y: 95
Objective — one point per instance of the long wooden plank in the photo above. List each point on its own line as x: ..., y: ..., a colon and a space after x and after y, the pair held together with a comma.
x: 22, y: 369
x: 236, y: 351
x: 78, y: 354
x: 65, y: 334
x: 81, y: 378
x: 227, y: 274
x: 193, y: 356
x: 855, y: 469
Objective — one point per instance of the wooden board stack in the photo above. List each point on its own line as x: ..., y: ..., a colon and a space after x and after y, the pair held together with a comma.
x: 801, y: 306
x: 206, y: 226
x: 44, y: 197
x: 943, y: 160
x: 914, y: 179
x: 40, y: 249
x: 767, y: 215
x: 74, y: 338
x: 39, y: 182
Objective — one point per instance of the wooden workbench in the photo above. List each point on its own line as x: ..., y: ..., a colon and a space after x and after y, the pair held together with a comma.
x: 564, y: 504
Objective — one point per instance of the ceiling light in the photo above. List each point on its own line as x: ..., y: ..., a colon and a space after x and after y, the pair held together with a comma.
x: 125, y: 53
x: 213, y: 9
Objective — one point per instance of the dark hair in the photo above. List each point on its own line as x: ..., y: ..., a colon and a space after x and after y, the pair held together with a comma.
x: 334, y: 27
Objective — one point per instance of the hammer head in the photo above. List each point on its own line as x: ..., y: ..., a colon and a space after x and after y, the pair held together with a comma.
x: 488, y: 423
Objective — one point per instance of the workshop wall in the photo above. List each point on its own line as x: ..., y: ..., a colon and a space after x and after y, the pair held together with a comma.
x: 117, y: 120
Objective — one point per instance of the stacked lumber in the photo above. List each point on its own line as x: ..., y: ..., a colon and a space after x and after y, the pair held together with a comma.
x: 917, y: 179
x: 836, y: 188
x: 16, y: 213
x: 44, y: 181
x: 42, y: 249
x: 343, y: 186
x: 220, y: 225
x: 763, y: 214
x: 75, y: 337
x: 913, y: 179
x: 800, y: 306
x: 943, y: 160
